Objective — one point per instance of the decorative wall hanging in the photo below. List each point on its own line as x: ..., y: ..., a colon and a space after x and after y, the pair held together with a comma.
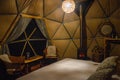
x: 107, y: 29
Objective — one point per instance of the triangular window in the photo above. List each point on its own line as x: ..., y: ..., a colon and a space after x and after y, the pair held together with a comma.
x: 31, y: 41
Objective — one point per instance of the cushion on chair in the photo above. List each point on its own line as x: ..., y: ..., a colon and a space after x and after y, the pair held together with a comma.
x: 5, y: 58
x: 51, y: 51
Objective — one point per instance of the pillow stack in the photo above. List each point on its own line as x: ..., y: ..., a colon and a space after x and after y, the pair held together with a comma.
x: 105, y: 69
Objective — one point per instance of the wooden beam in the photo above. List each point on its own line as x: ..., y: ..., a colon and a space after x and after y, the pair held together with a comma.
x: 31, y: 16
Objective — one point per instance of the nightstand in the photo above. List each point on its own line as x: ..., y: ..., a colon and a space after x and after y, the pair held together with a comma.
x: 33, y: 63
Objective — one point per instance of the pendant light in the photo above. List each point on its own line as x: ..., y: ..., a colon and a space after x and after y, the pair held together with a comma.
x: 68, y: 6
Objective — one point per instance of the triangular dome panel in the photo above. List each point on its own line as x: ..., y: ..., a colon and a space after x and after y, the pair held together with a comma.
x: 116, y: 14
x: 100, y: 41
x: 77, y: 42
x: 91, y: 47
x: 57, y: 15
x: 89, y: 42
x: 22, y: 4
x: 105, y: 5
x: 51, y: 5
x: 60, y: 47
x: 71, y: 51
x: 52, y: 27
x: 89, y: 33
x: 61, y: 33
x: 5, y: 26
x: 71, y: 27
x: 77, y: 33
x: 98, y: 34
x: 114, y: 5
x: 68, y: 17
x: 36, y: 10
x: 8, y: 6
x: 95, y: 11
x: 93, y: 25
x: 109, y: 6
x: 116, y: 23
x: 24, y: 11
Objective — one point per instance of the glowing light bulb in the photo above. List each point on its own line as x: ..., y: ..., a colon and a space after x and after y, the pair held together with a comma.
x: 68, y: 6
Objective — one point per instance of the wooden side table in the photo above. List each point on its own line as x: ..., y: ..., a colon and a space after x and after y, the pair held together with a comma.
x: 32, y: 60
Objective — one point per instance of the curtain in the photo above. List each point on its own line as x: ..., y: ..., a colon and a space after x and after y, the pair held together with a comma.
x: 18, y: 30
x: 42, y: 27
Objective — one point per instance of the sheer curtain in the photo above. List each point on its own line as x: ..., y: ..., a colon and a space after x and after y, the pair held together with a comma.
x: 20, y: 27
x: 18, y: 30
x: 42, y: 27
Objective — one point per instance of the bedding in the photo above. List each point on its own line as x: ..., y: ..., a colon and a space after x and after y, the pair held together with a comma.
x: 115, y: 77
x: 104, y: 74
x: 109, y: 62
x: 105, y: 69
x: 66, y: 69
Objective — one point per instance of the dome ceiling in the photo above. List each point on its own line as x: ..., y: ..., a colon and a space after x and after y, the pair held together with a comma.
x: 63, y: 28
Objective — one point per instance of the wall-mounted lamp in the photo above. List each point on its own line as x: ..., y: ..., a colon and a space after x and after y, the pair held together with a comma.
x: 68, y: 6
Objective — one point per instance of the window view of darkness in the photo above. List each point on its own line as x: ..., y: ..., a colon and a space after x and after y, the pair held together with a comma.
x: 31, y: 41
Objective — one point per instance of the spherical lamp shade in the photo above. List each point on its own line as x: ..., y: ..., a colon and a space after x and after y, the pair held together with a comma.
x: 68, y: 6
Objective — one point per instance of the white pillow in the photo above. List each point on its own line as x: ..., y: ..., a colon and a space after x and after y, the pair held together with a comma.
x: 5, y: 58
x: 51, y: 51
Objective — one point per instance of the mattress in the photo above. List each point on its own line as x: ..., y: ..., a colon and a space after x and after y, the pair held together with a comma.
x: 66, y: 69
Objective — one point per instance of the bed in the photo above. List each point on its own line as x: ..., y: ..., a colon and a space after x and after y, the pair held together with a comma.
x: 74, y: 69
x: 66, y: 69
